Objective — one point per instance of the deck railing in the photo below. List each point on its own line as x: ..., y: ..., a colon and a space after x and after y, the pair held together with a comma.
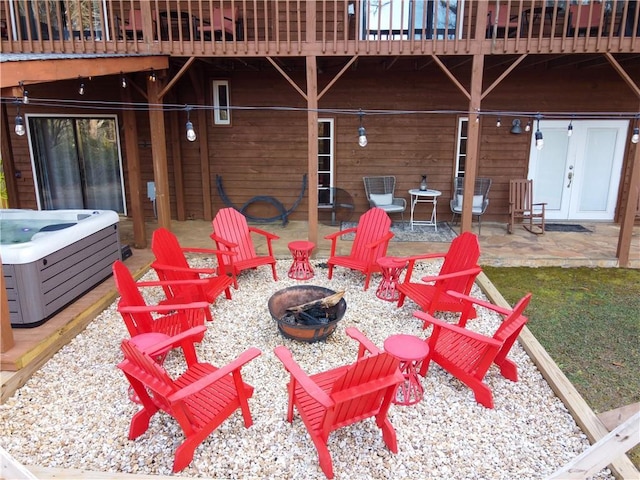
x: 281, y: 27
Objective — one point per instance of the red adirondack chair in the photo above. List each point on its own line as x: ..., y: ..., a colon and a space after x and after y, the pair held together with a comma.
x: 458, y: 272
x: 232, y: 236
x: 172, y: 266
x: 372, y: 235
x: 200, y: 399
x: 169, y: 318
x: 339, y: 397
x: 468, y: 355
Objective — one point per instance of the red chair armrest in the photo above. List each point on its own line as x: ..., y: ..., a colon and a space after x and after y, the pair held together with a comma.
x: 481, y: 303
x: 425, y: 317
x: 191, y: 334
x: 224, y: 242
x: 365, y: 343
x: 446, y: 276
x: 301, y: 377
x: 162, y: 308
x: 269, y: 235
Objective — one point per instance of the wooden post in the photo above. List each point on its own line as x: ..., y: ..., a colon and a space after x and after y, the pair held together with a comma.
x: 6, y: 155
x: 159, y: 153
x: 312, y: 167
x: 473, y: 143
x: 176, y: 154
x: 6, y: 334
x: 133, y: 170
x: 629, y: 210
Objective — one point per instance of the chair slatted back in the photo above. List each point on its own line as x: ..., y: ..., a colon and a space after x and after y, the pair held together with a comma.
x: 463, y: 254
x: 585, y: 16
x: 359, y: 392
x: 232, y: 226
x: 130, y: 296
x: 510, y: 328
x: 379, y: 185
x: 372, y: 226
x: 521, y: 195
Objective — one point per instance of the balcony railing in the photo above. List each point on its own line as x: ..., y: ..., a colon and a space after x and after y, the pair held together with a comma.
x: 320, y: 27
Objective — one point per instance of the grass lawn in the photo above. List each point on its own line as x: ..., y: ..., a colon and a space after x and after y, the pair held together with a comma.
x: 588, y: 320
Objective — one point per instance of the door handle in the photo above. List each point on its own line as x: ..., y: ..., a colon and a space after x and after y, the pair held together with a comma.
x: 570, y: 177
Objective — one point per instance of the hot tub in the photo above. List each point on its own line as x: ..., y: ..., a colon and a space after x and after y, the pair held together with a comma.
x: 51, y: 257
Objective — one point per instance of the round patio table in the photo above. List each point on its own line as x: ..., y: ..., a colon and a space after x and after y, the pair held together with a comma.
x: 410, y: 350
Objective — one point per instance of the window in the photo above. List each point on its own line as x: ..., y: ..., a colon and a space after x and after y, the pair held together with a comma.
x: 221, y: 110
x: 76, y: 162
x: 325, y: 161
x: 461, y: 146
x: 400, y: 19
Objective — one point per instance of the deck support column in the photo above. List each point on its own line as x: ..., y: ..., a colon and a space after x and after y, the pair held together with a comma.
x: 312, y: 156
x: 473, y: 143
x: 159, y: 153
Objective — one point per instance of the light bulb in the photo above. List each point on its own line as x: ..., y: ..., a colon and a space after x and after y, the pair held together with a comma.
x: 20, y: 130
x: 152, y: 76
x: 499, y: 123
x: 81, y: 89
x: 25, y: 97
x: 539, y: 140
x: 570, y: 129
x: 123, y: 82
x: 636, y: 135
x: 362, y: 137
x: 527, y: 128
x: 191, y: 133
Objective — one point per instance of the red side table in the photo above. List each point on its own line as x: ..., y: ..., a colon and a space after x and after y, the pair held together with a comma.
x: 410, y: 350
x: 391, y: 268
x: 144, y: 342
x: 301, y: 268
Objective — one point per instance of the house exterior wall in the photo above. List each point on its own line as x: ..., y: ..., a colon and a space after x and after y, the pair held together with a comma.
x: 264, y: 151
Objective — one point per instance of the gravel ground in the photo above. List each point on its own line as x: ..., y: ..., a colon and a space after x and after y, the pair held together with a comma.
x: 74, y: 412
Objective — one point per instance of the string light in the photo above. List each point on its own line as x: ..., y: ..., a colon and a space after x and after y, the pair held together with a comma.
x: 25, y: 94
x: 527, y: 127
x: 81, y: 89
x: 498, y: 123
x: 123, y: 81
x: 362, y: 134
x: 152, y: 76
x: 19, y: 128
x: 636, y: 135
x: 191, y: 133
x: 539, y: 139
x: 570, y: 128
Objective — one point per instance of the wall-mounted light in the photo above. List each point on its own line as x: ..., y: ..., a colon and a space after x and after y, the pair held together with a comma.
x: 191, y: 133
x: 516, y: 129
x: 362, y: 134
x: 19, y: 128
x: 539, y: 139
x: 570, y: 128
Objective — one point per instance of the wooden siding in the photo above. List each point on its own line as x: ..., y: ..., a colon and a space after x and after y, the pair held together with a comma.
x: 264, y: 151
x: 280, y: 27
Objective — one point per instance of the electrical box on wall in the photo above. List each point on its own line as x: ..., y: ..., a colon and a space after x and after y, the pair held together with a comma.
x: 151, y: 191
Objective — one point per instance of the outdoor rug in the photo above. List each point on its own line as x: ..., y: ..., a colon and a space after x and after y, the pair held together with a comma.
x: 421, y: 233
x: 564, y: 227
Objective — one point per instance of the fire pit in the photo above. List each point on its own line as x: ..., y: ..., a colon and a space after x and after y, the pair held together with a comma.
x: 316, y: 324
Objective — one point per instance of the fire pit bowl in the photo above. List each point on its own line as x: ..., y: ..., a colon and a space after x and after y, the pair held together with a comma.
x: 298, y: 295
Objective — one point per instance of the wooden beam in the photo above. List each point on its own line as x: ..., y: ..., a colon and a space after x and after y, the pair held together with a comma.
x: 473, y: 143
x: 312, y: 154
x: 133, y: 170
x: 50, y: 70
x: 176, y: 77
x: 288, y: 78
x: 504, y: 75
x: 159, y: 153
x: 337, y: 77
x: 197, y: 79
x: 6, y: 151
x: 451, y: 76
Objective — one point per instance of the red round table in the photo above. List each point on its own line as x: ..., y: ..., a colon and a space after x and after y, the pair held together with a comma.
x: 391, y: 268
x: 301, y: 268
x: 410, y: 350
x: 145, y: 342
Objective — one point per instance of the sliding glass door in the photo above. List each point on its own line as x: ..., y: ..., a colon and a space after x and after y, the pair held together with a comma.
x: 76, y: 162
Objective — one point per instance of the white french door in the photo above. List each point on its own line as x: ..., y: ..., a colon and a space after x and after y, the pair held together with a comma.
x: 578, y: 176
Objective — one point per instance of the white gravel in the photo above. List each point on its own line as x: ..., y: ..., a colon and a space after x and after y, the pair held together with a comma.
x: 75, y: 413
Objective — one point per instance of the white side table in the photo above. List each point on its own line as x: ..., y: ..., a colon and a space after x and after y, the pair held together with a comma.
x: 425, y: 196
